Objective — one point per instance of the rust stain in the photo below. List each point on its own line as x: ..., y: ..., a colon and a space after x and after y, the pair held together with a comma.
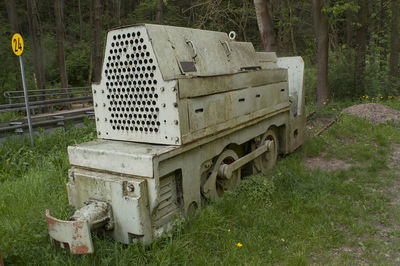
x: 51, y: 222
x: 80, y: 249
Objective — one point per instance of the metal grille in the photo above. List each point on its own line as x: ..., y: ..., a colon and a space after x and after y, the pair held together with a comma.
x: 131, y: 83
x: 168, y: 199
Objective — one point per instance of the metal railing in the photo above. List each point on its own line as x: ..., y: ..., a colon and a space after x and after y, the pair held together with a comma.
x: 52, y: 97
x: 69, y: 92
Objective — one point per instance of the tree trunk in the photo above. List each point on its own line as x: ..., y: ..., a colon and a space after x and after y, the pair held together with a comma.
x: 265, y: 25
x: 349, y: 28
x: 361, y: 47
x: 118, y: 12
x: 321, y: 31
x: 34, y: 28
x: 59, y: 16
x: 293, y: 40
x: 381, y: 35
x: 395, y: 40
x: 80, y: 21
x: 97, y: 40
x: 12, y: 15
x: 159, y: 11
x: 90, y: 38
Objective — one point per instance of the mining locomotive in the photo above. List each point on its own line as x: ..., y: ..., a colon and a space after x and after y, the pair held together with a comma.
x: 180, y: 115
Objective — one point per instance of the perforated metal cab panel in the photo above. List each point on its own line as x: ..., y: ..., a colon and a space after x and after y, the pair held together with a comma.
x: 132, y: 101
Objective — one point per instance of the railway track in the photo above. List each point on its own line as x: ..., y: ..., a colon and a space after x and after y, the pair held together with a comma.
x: 47, y: 120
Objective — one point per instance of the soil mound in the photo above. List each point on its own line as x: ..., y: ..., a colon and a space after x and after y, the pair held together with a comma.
x: 374, y: 112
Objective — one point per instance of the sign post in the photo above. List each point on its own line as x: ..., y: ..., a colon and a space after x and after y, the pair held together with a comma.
x: 17, y: 44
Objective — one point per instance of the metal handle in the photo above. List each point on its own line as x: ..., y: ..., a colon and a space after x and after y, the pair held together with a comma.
x: 193, y: 48
x: 228, y: 47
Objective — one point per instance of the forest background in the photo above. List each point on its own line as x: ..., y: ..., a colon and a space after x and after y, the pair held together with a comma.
x: 64, y: 39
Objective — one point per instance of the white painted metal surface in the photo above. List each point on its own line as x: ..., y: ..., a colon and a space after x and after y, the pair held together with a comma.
x: 295, y: 67
x: 128, y: 158
x: 138, y: 97
x: 132, y: 101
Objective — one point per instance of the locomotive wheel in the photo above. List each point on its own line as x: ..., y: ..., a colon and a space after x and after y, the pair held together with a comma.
x: 266, y: 161
x: 216, y: 183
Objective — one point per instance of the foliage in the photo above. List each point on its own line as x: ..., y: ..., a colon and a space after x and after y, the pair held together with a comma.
x: 17, y: 156
x: 292, y: 20
x: 10, y: 116
x: 256, y: 189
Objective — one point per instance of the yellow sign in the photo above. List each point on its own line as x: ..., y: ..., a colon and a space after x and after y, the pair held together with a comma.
x: 17, y: 44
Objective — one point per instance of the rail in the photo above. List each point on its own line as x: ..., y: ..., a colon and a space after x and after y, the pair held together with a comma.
x: 48, y: 119
x: 11, y: 95
x: 51, y: 98
x: 47, y: 99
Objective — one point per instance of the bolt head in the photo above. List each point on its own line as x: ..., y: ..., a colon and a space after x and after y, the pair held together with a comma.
x: 71, y: 176
x: 130, y: 188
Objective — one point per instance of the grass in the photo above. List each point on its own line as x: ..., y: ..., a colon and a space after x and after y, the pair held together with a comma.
x: 10, y: 116
x: 294, y: 216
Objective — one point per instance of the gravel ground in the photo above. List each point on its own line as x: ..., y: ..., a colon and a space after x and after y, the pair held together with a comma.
x: 374, y: 112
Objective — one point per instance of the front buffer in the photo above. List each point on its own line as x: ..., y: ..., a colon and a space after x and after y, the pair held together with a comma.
x: 114, y: 204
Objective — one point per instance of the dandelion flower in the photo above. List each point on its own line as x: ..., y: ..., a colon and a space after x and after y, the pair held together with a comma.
x: 229, y: 230
x: 324, y: 103
x: 239, y: 245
